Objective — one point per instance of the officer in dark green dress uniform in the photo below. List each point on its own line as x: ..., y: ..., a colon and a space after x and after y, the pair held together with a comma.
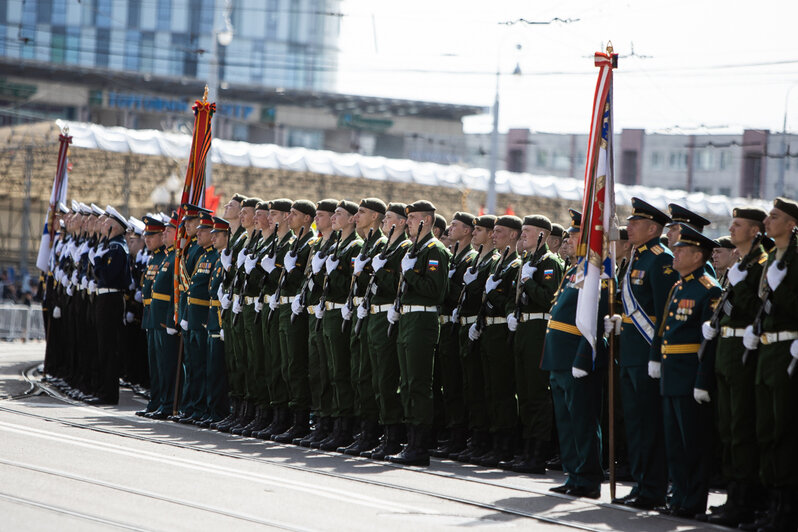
x: 644, y: 290
x: 735, y: 395
x: 384, y: 279
x: 776, y: 387
x: 465, y: 315
x: 686, y: 381
x: 153, y: 239
x: 425, y: 278
x: 451, y: 367
x: 538, y: 284
x: 576, y: 376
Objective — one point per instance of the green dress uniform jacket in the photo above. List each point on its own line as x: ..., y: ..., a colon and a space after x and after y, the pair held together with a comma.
x: 162, y: 316
x: 217, y: 402
x: 198, y: 293
x: 234, y: 354
x: 149, y: 325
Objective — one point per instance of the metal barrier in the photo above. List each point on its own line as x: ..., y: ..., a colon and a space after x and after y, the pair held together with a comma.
x: 21, y: 322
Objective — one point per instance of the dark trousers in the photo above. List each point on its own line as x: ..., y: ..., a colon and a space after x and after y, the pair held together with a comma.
x: 294, y: 356
x: 532, y: 383
x: 155, y: 379
x: 688, y: 427
x: 321, y: 394
x: 339, y: 363
x: 451, y: 372
x: 110, y: 313
x: 362, y: 376
x: 385, y: 364
x: 217, y: 404
x: 473, y: 382
x: 167, y: 345
x: 196, y: 373
x: 498, y: 367
x: 417, y: 336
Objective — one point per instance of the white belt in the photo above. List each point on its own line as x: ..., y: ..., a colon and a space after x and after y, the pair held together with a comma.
x: 529, y: 316
x: 376, y: 309
x: 729, y: 332
x: 498, y: 320
x: 287, y: 299
x: 418, y: 308
x: 356, y: 301
x: 333, y: 306
x: 444, y: 319
x: 468, y: 320
x: 780, y: 336
x: 106, y: 290
x: 250, y: 300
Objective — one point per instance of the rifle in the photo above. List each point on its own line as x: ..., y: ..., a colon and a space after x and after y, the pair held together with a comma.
x: 402, y: 286
x: 282, y: 280
x: 238, y: 283
x: 271, y: 252
x: 483, y: 307
x: 350, y: 298
x: 461, y: 299
x: 714, y: 321
x: 520, y: 295
x: 308, y: 273
x: 764, y: 308
x: 366, y: 304
x: 326, y: 282
x: 272, y: 249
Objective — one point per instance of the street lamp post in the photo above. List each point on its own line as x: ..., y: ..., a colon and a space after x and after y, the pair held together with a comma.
x: 220, y: 38
x: 783, y: 165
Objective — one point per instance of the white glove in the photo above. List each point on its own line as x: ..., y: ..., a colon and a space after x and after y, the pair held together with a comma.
x: 296, y: 306
x: 101, y: 251
x: 170, y: 331
x: 137, y: 297
x: 452, y: 272
x: 129, y: 317
x: 226, y: 259
x: 527, y: 272
x: 221, y: 334
x: 258, y: 305
x: 455, y: 316
x: 242, y: 256
x: 184, y: 324
x: 469, y: 277
x: 92, y: 286
x: 708, y: 331
x: 268, y: 263
x: 750, y: 340
x: 512, y: 322
x: 474, y: 333
x: 220, y: 292
x: 237, y: 306
x: 794, y: 349
x: 393, y: 316
x: 56, y: 313
x: 362, y: 312
x: 92, y: 252
x: 700, y: 396
x: 84, y: 283
x: 224, y: 301
x: 408, y: 262
x: 69, y: 290
x: 490, y: 284
x: 316, y: 263
x: 74, y: 278
x: 274, y: 303
x: 318, y: 311
x: 612, y: 323
x: 734, y: 275
x: 346, y: 313
x: 249, y: 263
x: 360, y: 265
x: 377, y: 263
x: 654, y: 369
x: 290, y: 261
x: 578, y: 373
x: 331, y: 264
x: 775, y: 276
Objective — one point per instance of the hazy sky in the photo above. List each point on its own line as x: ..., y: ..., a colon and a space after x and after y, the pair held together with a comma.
x: 714, y: 65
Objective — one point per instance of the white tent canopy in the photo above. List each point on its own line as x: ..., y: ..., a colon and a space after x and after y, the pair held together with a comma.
x: 152, y: 142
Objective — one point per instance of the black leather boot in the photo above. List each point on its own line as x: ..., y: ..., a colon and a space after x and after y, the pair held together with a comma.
x: 458, y: 438
x: 502, y: 450
x: 233, y: 411
x: 785, y: 517
x: 333, y: 434
x: 257, y: 420
x: 391, y: 443
x: 478, y: 444
x: 525, y: 453
x: 342, y: 438
x: 765, y: 519
x: 247, y: 416
x: 414, y: 453
x: 532, y: 461
x: 237, y: 415
x: 368, y: 439
x: 298, y: 430
x: 320, y: 432
x: 281, y: 423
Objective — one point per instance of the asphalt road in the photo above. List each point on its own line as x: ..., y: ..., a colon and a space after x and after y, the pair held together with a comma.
x: 65, y: 466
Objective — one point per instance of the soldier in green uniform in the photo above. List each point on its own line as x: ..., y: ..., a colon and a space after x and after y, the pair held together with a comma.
x: 735, y: 395
x: 321, y: 395
x: 337, y: 332
x: 554, y: 242
x: 368, y: 219
x: 425, y: 278
x: 498, y: 365
x: 451, y: 367
x: 576, y: 375
x: 383, y: 280
x: 644, y: 291
x: 465, y: 314
x: 685, y: 381
x: 776, y: 387
x: 535, y: 293
x: 153, y: 239
x: 724, y: 256
x: 294, y: 341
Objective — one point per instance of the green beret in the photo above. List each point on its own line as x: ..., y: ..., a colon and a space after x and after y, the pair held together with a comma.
x: 420, y: 206
x: 557, y: 230
x: 282, y: 205
x: 374, y: 204
x: 251, y: 202
x: 398, y: 208
x: 513, y: 222
x: 725, y: 242
x: 755, y: 214
x: 348, y: 206
x: 305, y: 207
x: 464, y: 217
x: 788, y: 206
x: 238, y: 197
x: 327, y: 205
x: 488, y: 221
x: 440, y: 222
x: 538, y: 220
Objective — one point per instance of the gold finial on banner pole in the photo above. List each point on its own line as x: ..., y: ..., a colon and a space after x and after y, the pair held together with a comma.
x: 609, y: 47
x: 205, y: 95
